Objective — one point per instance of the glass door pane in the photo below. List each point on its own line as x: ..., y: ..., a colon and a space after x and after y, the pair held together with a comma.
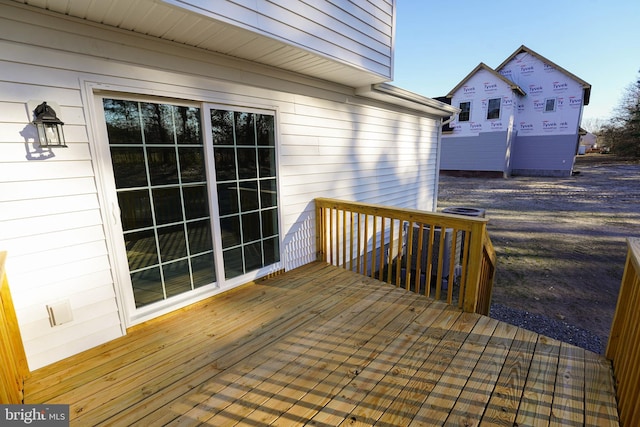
x: 157, y: 154
x: 245, y: 152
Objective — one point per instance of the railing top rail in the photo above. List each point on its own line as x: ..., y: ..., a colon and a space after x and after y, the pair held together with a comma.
x: 488, y: 245
x: 445, y: 219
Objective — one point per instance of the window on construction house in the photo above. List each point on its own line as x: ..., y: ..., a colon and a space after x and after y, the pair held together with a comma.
x: 465, y: 111
x: 549, y: 105
x: 493, y: 110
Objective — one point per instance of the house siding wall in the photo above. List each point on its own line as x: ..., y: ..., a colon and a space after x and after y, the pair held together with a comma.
x: 546, y: 142
x: 538, y: 142
x: 485, y: 152
x: 480, y: 144
x: 52, y: 223
x: 544, y: 155
x: 359, y: 32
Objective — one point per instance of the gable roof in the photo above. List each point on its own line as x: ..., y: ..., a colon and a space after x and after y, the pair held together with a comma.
x: 483, y: 66
x: 586, y: 86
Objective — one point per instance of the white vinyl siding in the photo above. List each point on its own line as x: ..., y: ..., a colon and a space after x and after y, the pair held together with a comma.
x: 52, y: 220
x: 357, y: 32
x: 363, y: 154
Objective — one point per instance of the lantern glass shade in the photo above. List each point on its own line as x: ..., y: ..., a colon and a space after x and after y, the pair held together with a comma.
x: 50, y: 132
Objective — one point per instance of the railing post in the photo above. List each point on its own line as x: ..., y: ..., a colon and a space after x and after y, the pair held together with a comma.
x: 487, y: 276
x: 622, y: 347
x: 14, y: 368
x: 622, y: 308
x: 624, y: 298
x: 472, y: 287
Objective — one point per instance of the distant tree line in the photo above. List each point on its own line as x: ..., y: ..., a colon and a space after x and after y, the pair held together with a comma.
x: 621, y: 134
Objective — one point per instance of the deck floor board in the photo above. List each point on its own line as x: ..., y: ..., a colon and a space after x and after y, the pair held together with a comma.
x: 322, y: 346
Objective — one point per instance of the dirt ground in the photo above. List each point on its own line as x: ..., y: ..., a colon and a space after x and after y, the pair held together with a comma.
x: 560, y: 242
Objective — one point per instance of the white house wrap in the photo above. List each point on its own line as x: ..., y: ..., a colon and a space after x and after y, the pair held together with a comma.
x: 523, y: 119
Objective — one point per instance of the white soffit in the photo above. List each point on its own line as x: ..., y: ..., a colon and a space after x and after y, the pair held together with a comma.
x: 158, y: 19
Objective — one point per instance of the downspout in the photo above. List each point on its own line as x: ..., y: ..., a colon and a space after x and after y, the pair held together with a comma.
x: 449, y: 120
x: 438, y: 155
x: 437, y: 175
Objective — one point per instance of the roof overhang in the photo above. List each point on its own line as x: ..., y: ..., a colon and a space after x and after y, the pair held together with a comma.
x: 165, y: 20
x: 396, y: 96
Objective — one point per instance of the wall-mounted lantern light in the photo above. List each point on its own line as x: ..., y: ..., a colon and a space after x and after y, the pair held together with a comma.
x: 50, y: 133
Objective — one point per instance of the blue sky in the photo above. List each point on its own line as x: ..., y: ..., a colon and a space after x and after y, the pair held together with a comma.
x: 438, y: 42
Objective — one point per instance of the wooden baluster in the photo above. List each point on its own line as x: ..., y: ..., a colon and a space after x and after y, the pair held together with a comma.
x: 344, y: 239
x: 366, y: 244
x: 399, y: 252
x: 440, y: 266
x: 374, y: 247
x: 390, y: 259
x: 419, y: 265
x: 465, y: 262
x: 320, y: 232
x: 452, y: 265
x: 382, y: 245
x: 409, y: 256
x: 429, y: 271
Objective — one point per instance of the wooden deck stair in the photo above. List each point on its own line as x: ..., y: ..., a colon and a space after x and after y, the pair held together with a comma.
x: 320, y: 345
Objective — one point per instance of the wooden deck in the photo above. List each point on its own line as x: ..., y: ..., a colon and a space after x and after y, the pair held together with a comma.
x: 323, y: 346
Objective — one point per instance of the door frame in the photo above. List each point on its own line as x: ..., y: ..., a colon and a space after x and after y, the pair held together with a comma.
x: 93, y: 93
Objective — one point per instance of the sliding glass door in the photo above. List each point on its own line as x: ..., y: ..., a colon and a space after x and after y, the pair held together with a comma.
x: 245, y: 169
x: 181, y: 230
x: 157, y: 153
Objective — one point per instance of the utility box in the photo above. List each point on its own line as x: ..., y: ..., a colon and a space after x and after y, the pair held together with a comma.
x: 461, y: 210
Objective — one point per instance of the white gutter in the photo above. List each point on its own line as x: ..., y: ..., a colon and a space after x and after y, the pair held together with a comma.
x: 449, y: 120
x: 396, y: 96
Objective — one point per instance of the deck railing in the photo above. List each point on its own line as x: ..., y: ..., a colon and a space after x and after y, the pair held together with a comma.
x: 13, y: 365
x: 623, y: 348
x: 444, y: 256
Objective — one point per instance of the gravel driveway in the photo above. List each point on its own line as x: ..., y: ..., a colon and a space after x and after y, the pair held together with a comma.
x: 560, y: 243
